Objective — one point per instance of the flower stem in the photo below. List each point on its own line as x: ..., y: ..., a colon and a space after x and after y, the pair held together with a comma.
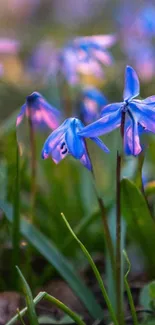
x: 108, y: 239
x: 33, y: 166
x: 119, y: 289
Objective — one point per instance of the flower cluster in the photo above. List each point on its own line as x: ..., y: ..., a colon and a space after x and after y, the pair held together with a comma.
x: 84, y: 55
x: 132, y: 115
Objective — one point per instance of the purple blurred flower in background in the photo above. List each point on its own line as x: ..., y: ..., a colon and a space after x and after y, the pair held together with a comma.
x: 142, y: 54
x: 41, y: 113
x: 137, y: 34
x: 66, y: 141
x: 91, y: 104
x: 86, y: 55
x: 9, y: 46
x: 76, y: 13
x: 43, y: 60
x: 139, y: 116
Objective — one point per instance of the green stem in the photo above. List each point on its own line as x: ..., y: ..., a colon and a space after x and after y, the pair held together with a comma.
x: 33, y: 167
x: 131, y: 302
x: 96, y: 272
x: 16, y: 224
x: 119, y: 289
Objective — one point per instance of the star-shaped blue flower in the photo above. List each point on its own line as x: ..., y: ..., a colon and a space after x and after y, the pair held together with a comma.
x: 139, y: 116
x: 65, y: 141
x: 91, y: 104
x: 42, y: 114
x: 85, y: 55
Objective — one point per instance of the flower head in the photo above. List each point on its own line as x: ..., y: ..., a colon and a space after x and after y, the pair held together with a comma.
x: 86, y: 54
x: 65, y: 140
x: 91, y: 104
x: 41, y: 113
x: 139, y: 116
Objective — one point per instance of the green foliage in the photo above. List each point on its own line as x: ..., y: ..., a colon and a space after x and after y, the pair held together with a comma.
x: 140, y: 223
x: 52, y: 254
x: 29, y: 299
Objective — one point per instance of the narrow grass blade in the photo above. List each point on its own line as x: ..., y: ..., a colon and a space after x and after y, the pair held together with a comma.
x: 14, y: 319
x: 63, y: 307
x: 29, y: 300
x: 95, y: 270
x: 131, y: 302
x: 20, y: 317
x: 16, y: 224
x: 54, y: 301
x: 52, y: 254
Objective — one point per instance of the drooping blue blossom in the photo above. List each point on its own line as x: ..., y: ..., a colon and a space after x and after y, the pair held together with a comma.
x: 65, y: 141
x: 139, y: 116
x: 86, y: 55
x: 91, y: 104
x: 41, y: 113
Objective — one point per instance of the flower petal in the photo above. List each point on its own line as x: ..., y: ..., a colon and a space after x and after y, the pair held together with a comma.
x: 149, y: 101
x: 102, y: 40
x: 74, y: 142
x: 132, y: 87
x: 54, y: 139
x: 144, y: 114
x: 20, y: 116
x: 110, y: 108
x: 131, y: 138
x: 102, y: 126
x: 42, y: 113
x: 103, y: 56
x: 100, y: 143
x: 85, y: 160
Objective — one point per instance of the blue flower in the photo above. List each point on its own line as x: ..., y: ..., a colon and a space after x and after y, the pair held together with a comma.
x: 85, y: 55
x: 91, y: 104
x: 139, y: 116
x: 41, y: 113
x: 66, y: 141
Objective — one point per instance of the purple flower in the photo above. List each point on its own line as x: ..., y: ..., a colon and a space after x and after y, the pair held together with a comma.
x: 41, y: 113
x: 91, y: 104
x: 86, y: 55
x: 9, y: 46
x: 66, y: 141
x: 139, y: 116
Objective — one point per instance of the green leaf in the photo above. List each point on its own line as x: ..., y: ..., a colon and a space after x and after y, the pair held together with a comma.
x: 29, y: 299
x: 147, y: 295
x: 140, y: 224
x: 95, y: 270
x: 50, y: 320
x: 51, y: 253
